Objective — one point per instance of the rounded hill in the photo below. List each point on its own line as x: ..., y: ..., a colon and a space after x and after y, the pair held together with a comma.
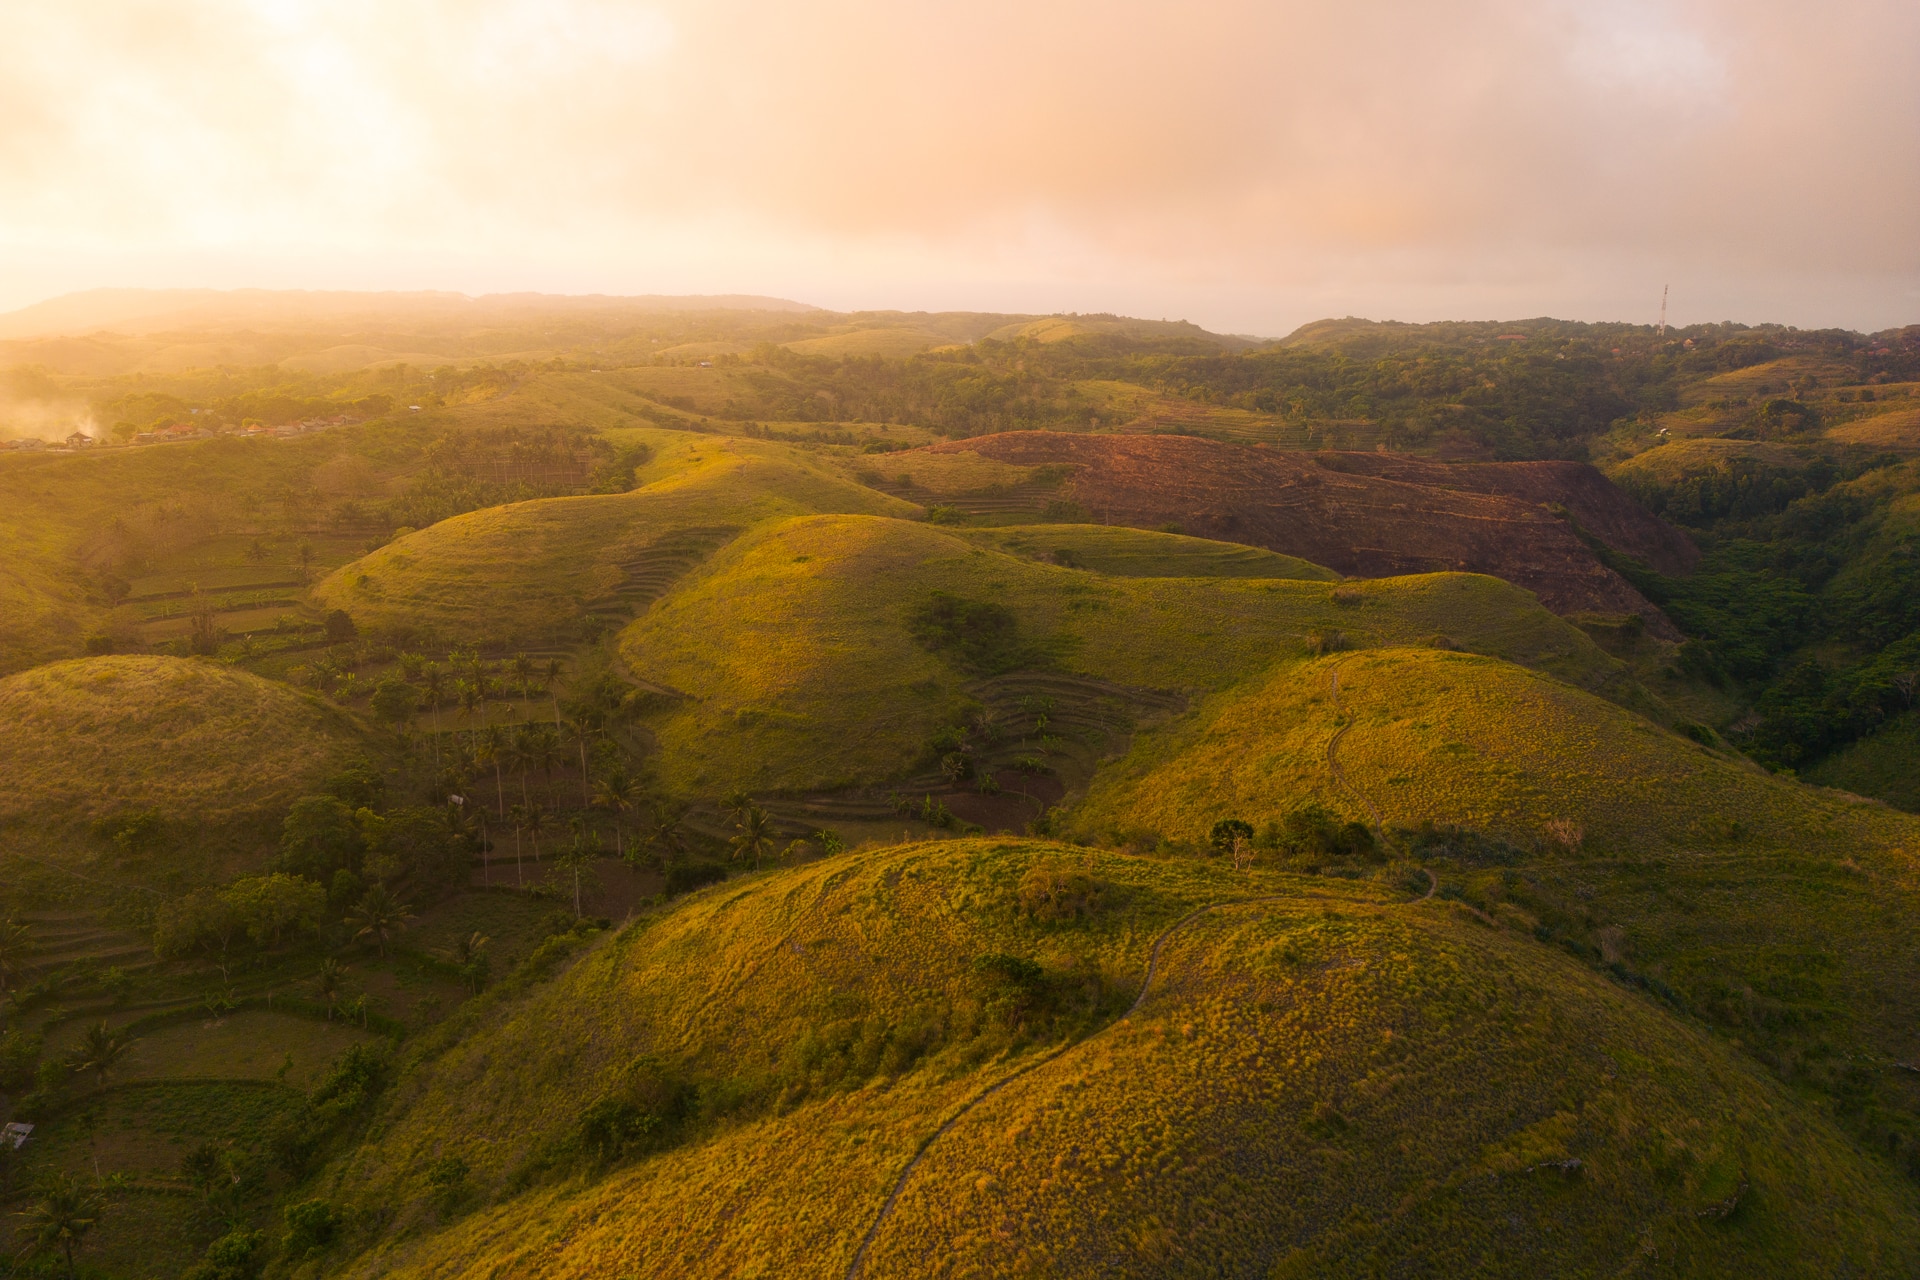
x: 94, y: 737
x: 807, y: 655
x: 946, y: 1052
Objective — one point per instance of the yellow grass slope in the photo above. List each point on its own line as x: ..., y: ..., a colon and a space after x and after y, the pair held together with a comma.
x: 1137, y: 553
x: 1433, y: 736
x: 530, y: 572
x: 94, y: 737
x: 795, y: 650
x: 1776, y: 910
x: 1329, y: 1080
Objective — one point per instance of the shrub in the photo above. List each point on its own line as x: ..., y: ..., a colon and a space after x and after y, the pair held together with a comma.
x: 686, y: 876
x: 1347, y: 596
x: 1226, y: 831
x: 1321, y: 643
x: 1054, y: 893
x: 310, y: 1225
x: 234, y: 1256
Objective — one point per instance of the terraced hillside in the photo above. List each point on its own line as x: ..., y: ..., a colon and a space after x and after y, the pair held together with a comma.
x: 796, y: 651
x: 1319, y: 1078
x: 192, y: 741
x: 1332, y: 511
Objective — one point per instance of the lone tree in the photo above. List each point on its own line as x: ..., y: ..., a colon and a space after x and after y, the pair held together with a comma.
x: 98, y: 1052
x: 66, y: 1210
x: 340, y: 628
x: 379, y: 916
x: 755, y: 838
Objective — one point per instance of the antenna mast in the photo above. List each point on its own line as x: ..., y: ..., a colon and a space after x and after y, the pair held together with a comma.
x: 1663, y: 310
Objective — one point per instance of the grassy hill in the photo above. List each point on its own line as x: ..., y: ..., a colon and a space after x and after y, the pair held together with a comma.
x: 1773, y: 909
x: 1324, y: 1079
x: 195, y: 742
x: 796, y: 652
x: 531, y: 573
x: 1121, y: 552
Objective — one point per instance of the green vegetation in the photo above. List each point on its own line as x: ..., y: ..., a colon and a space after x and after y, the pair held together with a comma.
x: 800, y: 665
x: 1358, y: 926
x: 742, y: 1079
x: 153, y: 747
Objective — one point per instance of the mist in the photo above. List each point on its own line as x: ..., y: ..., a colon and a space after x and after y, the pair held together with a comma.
x: 1246, y: 166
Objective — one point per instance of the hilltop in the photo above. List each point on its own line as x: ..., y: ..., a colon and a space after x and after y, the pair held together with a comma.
x: 1328, y: 1077
x: 194, y: 743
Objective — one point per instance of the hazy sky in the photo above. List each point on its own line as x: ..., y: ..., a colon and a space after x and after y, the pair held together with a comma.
x: 1245, y: 165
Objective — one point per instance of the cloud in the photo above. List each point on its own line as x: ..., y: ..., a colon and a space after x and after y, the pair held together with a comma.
x: 1247, y: 164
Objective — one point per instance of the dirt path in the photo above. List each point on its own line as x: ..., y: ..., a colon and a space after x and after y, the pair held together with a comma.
x: 1146, y: 985
x: 1333, y: 760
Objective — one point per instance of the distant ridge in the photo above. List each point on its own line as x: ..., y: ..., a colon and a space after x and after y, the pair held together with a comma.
x: 153, y: 310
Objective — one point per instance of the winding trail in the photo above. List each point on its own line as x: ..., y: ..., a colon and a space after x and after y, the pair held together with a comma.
x: 1333, y: 761
x: 1146, y: 985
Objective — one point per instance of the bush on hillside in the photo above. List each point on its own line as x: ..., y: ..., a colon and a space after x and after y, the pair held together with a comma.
x: 1310, y: 831
x: 1054, y: 893
x: 320, y: 837
x: 976, y: 637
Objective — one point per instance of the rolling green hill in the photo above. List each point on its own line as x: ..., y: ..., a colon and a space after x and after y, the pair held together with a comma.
x: 196, y: 743
x: 1775, y: 910
x: 1325, y: 1079
x: 795, y: 652
x: 532, y: 573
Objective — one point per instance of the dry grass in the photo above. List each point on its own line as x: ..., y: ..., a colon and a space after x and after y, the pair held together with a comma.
x: 794, y: 645
x: 1330, y: 1082
x: 98, y: 736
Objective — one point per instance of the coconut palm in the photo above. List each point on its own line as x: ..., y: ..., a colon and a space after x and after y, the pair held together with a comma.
x: 434, y: 682
x: 536, y: 819
x: 379, y: 916
x: 617, y: 793
x: 16, y: 947
x: 575, y: 861
x: 523, y: 673
x: 469, y: 696
x: 582, y: 729
x: 665, y: 834
x: 66, y: 1210
x: 755, y: 838
x: 552, y: 673
x: 98, y: 1052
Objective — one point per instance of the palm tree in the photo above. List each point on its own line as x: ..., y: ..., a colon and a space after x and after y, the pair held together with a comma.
x: 552, y: 672
x: 582, y: 730
x: 470, y: 954
x: 66, y: 1210
x: 98, y: 1052
x: 469, y: 695
x: 523, y: 672
x: 16, y: 945
x: 577, y: 858
x: 535, y: 818
x: 543, y: 748
x: 737, y: 804
x: 617, y: 793
x: 379, y: 916
x: 756, y: 835
x: 435, y: 682
x: 666, y: 835
x: 326, y: 984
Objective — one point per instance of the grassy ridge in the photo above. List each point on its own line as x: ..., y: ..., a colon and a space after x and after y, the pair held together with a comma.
x: 1463, y: 739
x: 1775, y: 910
x: 1325, y: 1082
x: 795, y: 648
x: 530, y: 572
x: 93, y: 737
x: 1134, y: 553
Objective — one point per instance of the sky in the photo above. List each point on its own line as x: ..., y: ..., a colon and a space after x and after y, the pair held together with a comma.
x: 1245, y: 164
